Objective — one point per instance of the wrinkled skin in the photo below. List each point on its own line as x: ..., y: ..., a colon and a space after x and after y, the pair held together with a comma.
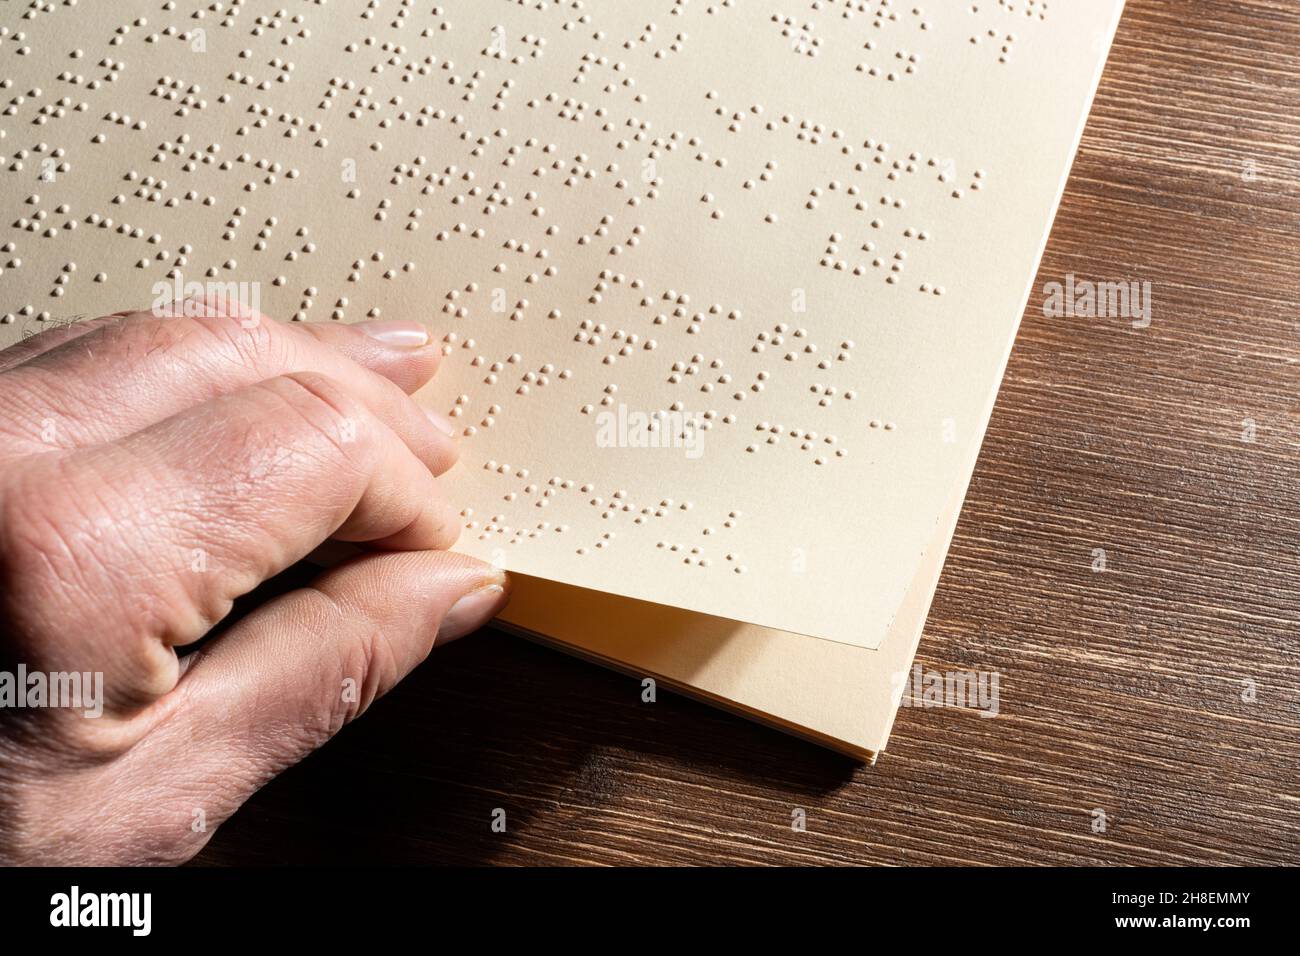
x: 152, y: 469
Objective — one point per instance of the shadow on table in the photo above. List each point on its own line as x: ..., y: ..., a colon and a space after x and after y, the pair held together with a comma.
x: 492, y: 723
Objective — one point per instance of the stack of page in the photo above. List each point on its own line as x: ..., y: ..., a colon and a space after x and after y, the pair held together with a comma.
x: 725, y: 289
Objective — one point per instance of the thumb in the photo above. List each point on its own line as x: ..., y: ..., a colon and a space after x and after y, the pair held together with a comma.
x: 288, y: 676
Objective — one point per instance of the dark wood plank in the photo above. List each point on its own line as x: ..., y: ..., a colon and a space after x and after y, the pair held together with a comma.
x: 1121, y: 690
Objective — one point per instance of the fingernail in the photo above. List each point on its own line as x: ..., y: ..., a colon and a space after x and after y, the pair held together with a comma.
x: 442, y: 423
x: 471, y: 612
x: 397, y: 333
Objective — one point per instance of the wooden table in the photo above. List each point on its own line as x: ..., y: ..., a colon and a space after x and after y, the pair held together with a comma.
x: 1164, y: 691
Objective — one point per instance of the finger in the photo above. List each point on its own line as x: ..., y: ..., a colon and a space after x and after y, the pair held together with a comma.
x: 40, y: 343
x: 401, y: 351
x: 284, y: 679
x: 140, y: 369
x: 365, y: 624
x: 150, y: 539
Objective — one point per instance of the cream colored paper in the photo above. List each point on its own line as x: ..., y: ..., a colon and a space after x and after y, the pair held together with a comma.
x: 840, y: 696
x: 837, y: 695
x: 813, y: 227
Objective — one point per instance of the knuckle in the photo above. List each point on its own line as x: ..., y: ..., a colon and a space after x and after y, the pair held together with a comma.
x: 362, y: 668
x: 228, y: 337
x: 140, y: 334
x: 206, y: 336
x: 70, y: 594
x: 326, y: 407
x: 323, y: 388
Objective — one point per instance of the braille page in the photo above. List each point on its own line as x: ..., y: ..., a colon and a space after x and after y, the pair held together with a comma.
x: 725, y: 289
x: 838, y: 695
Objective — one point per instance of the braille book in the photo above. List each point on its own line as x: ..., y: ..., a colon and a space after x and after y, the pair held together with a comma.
x: 725, y: 290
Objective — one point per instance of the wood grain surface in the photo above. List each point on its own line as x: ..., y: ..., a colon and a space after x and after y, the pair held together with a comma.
x: 1175, y: 448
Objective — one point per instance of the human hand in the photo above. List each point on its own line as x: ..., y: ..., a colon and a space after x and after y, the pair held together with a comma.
x: 153, y: 469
